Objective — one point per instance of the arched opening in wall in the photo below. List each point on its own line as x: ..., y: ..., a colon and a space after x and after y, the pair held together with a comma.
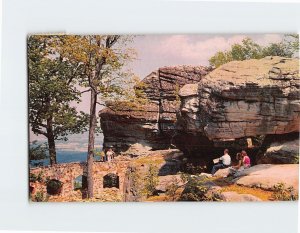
x: 54, y: 187
x: 80, y: 183
x: 111, y: 180
x: 31, y: 189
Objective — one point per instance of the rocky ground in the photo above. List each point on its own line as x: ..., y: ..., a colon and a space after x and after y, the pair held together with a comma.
x: 263, y: 182
x: 165, y: 175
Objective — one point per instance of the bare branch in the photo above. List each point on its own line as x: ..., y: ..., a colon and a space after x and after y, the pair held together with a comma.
x: 74, y: 74
x: 106, y: 106
x: 85, y: 91
x: 40, y: 132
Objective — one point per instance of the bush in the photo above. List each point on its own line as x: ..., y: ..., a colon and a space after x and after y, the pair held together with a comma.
x: 36, y: 178
x: 172, y: 188
x: 196, y: 190
x: 282, y: 193
x: 39, y: 197
x: 150, y: 181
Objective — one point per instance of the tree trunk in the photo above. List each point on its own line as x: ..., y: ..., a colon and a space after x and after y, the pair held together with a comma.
x: 91, y: 143
x: 51, y: 142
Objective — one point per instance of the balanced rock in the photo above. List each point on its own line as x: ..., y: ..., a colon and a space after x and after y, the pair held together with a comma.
x: 242, y: 100
x: 151, y: 125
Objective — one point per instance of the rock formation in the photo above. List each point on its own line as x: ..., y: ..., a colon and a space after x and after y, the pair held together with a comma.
x: 266, y: 176
x: 241, y: 100
x: 280, y: 150
x: 152, y: 126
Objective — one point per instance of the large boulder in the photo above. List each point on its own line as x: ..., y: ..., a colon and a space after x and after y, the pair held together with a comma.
x: 165, y: 182
x: 152, y: 125
x: 286, y: 152
x: 241, y: 100
x: 266, y: 176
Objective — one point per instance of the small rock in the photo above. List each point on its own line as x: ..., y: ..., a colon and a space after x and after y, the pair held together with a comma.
x: 236, y: 197
x: 222, y: 172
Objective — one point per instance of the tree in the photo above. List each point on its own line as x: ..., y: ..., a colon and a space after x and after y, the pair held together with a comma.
x: 38, y: 151
x: 248, y: 49
x: 51, y: 92
x: 102, y: 60
x: 292, y: 42
x: 150, y: 180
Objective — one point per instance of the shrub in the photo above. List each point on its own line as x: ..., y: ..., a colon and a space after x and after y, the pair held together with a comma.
x: 172, y: 188
x: 36, y: 178
x: 196, y: 189
x: 150, y: 181
x: 136, y: 182
x: 39, y: 197
x: 282, y: 193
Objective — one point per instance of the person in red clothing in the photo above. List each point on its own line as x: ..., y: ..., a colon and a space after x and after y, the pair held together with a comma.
x: 243, y: 163
x: 246, y: 160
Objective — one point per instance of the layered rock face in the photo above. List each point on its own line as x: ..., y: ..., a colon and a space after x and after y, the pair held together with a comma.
x: 243, y: 99
x: 280, y: 149
x: 152, y: 126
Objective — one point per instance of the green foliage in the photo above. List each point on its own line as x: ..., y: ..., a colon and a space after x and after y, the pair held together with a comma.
x: 248, y: 49
x: 190, y: 168
x: 150, y: 181
x: 296, y: 159
x: 101, y: 60
x: 38, y: 151
x: 196, y: 190
x: 40, y: 197
x: 172, y: 188
x: 133, y: 97
x: 52, y: 89
x: 281, y: 193
x: 135, y: 182
x: 292, y: 41
x: 220, y: 58
x: 77, y: 185
x: 36, y: 178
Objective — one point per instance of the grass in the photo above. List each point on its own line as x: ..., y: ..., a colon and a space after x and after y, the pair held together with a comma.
x: 155, y: 160
x: 228, y: 186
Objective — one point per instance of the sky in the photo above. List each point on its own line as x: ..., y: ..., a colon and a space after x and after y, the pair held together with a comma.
x: 154, y: 51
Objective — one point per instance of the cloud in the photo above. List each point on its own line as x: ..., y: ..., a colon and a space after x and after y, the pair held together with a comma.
x: 155, y: 51
x: 184, y: 48
x: 268, y: 38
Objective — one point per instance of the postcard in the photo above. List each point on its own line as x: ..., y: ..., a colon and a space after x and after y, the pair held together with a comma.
x: 163, y: 118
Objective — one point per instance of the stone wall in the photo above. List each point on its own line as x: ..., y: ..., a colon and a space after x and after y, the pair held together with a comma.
x: 67, y: 173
